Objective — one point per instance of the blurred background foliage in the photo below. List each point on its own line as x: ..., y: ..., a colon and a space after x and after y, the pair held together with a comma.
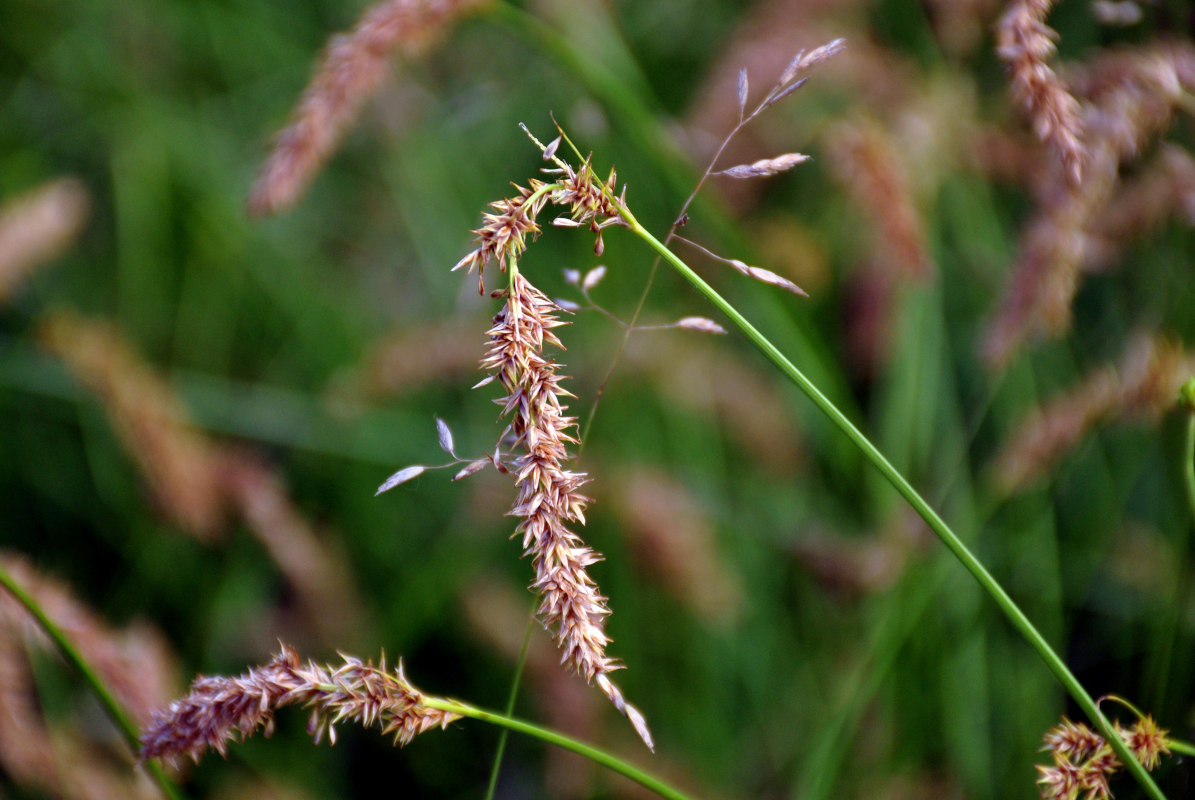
x: 789, y: 630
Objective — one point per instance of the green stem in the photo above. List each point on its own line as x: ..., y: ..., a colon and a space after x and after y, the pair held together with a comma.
x: 510, y: 703
x: 71, y: 654
x: 1181, y: 748
x: 894, y: 477
x: 1189, y: 466
x: 560, y: 740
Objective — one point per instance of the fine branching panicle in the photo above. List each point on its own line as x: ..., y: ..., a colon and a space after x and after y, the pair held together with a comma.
x: 219, y: 709
x: 549, y: 498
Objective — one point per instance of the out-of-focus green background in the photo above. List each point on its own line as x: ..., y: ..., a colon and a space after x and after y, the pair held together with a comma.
x: 787, y: 629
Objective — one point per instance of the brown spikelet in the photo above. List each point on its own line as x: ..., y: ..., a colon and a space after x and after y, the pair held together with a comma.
x: 871, y: 171
x: 755, y: 273
x: 135, y: 662
x: 1131, y: 96
x: 1143, y: 387
x: 1163, y: 189
x: 47, y: 756
x: 316, y: 571
x: 581, y: 190
x: 37, y: 226
x: 674, y: 541
x: 870, y: 302
x: 503, y: 236
x: 858, y: 566
x: 1037, y: 298
x: 352, y: 67
x: 549, y: 498
x: 26, y: 753
x: 182, y: 469
x: 1120, y: 13
x: 1006, y: 157
x: 764, y: 167
x: 1025, y: 43
x: 1083, y: 761
x: 219, y: 710
x: 198, y: 484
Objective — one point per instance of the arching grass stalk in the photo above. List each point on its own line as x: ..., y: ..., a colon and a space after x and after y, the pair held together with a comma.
x: 906, y: 490
x: 560, y: 740
x: 72, y: 656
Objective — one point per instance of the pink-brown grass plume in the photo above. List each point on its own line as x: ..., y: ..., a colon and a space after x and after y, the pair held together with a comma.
x: 219, y: 710
x: 674, y: 542
x: 181, y: 467
x: 549, y: 497
x: 871, y: 170
x: 1130, y: 96
x: 199, y: 484
x: 38, y: 226
x: 1025, y: 43
x: 58, y: 758
x: 1163, y: 189
x: 352, y: 68
x: 1145, y: 384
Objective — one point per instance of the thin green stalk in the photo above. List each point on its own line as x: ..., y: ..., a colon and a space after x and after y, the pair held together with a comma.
x: 906, y: 490
x: 1181, y: 748
x: 510, y: 703
x: 1189, y: 466
x: 560, y: 740
x: 69, y: 652
x: 1170, y: 628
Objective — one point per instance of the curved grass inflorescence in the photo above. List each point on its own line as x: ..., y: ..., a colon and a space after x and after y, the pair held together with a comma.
x: 549, y: 498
